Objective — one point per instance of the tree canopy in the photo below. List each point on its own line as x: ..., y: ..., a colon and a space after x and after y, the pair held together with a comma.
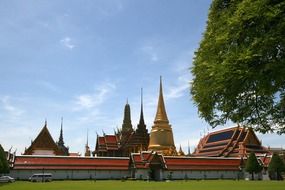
x: 239, y: 67
x: 252, y: 166
x: 4, y: 166
x: 276, y: 166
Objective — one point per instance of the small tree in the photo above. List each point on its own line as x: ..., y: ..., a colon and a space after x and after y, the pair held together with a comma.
x: 252, y: 165
x: 276, y: 166
x: 4, y: 166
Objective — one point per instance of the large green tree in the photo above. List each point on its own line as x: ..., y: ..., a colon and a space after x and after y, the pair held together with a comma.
x: 276, y: 166
x: 4, y: 166
x: 252, y: 166
x: 239, y: 67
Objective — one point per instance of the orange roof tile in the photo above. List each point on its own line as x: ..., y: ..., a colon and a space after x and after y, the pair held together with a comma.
x: 40, y: 162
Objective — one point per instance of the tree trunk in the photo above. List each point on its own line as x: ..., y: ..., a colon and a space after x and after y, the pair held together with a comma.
x: 252, y: 176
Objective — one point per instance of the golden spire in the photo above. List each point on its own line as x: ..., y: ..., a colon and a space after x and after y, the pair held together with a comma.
x: 161, y: 115
x: 161, y: 136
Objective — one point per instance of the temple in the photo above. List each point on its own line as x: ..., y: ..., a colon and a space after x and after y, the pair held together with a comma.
x: 161, y: 136
x: 232, y: 142
x: 126, y: 140
x: 45, y: 145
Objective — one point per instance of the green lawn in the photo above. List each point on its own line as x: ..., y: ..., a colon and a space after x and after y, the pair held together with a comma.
x: 133, y: 185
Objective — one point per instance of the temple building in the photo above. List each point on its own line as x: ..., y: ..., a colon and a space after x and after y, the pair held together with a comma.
x: 45, y: 145
x: 124, y: 141
x: 231, y: 142
x: 161, y: 136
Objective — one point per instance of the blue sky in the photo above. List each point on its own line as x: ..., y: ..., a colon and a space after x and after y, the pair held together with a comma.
x: 81, y: 60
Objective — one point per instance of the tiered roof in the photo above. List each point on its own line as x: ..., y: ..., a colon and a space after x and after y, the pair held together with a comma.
x: 106, y: 143
x: 232, y: 142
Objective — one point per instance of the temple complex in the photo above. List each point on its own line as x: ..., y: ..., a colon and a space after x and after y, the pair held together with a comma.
x: 161, y: 136
x: 137, y: 154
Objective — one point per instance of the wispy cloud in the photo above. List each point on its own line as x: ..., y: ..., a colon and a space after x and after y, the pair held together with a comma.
x: 67, y: 42
x: 178, y: 90
x: 88, y: 101
x: 150, y: 52
x: 11, y: 109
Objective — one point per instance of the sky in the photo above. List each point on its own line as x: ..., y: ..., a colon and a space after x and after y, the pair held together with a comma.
x: 82, y: 60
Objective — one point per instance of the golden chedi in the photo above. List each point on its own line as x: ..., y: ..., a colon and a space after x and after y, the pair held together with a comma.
x: 161, y: 136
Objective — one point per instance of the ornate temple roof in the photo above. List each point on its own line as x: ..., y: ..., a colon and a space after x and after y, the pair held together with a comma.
x: 43, y: 141
x: 232, y: 142
x: 144, y: 159
x: 106, y: 142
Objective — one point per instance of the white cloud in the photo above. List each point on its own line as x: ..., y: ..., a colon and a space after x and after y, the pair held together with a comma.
x: 88, y: 101
x: 177, y: 91
x: 67, y: 42
x: 11, y: 109
x: 150, y: 52
x: 180, y: 89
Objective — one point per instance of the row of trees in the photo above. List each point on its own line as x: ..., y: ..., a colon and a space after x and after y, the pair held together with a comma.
x: 275, y: 168
x: 4, y: 166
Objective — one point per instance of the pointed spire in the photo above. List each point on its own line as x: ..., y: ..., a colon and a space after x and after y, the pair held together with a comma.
x: 45, y: 123
x: 141, y: 115
x: 161, y: 115
x: 180, y: 148
x: 189, y: 152
x: 87, y: 149
x: 141, y: 127
x: 60, y: 140
x: 87, y: 138
x: 127, y: 123
x: 180, y: 152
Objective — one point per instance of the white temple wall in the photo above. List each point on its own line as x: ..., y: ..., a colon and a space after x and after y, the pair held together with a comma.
x: 192, y: 174
x: 72, y: 174
x: 142, y: 173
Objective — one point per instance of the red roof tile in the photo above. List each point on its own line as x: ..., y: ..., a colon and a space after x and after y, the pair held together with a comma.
x: 102, y: 163
x: 196, y: 163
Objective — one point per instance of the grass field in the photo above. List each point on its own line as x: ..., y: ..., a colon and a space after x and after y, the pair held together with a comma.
x: 134, y: 185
